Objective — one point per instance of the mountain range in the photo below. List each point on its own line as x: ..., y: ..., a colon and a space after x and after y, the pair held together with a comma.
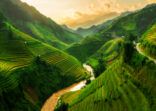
x: 30, y: 21
x: 38, y: 58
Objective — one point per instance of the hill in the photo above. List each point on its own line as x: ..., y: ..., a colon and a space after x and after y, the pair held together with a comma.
x: 92, y: 30
x: 127, y: 84
x: 82, y: 50
x: 27, y: 19
x: 97, y: 28
x: 147, y: 43
x: 135, y: 23
x: 105, y: 55
x: 30, y: 70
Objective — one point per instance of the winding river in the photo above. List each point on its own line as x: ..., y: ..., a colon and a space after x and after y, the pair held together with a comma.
x: 51, y: 102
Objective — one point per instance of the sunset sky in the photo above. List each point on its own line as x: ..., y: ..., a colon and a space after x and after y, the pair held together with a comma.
x: 84, y: 13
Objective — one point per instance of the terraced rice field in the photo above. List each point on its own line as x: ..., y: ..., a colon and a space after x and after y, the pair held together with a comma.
x: 111, y: 49
x: 18, y: 50
x: 148, y: 43
x: 141, y: 51
x: 68, y: 64
x: 112, y: 91
x: 13, y: 56
x: 108, y: 52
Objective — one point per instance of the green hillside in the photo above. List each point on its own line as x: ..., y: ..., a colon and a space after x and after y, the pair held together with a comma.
x: 97, y: 28
x: 93, y: 29
x: 85, y: 48
x: 125, y: 85
x: 41, y: 59
x: 135, y: 23
x: 105, y: 55
x: 29, y: 20
x: 30, y: 70
x: 148, y: 42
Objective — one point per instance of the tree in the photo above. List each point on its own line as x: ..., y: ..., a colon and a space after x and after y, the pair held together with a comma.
x: 128, y: 52
x: 130, y: 37
x: 100, y: 68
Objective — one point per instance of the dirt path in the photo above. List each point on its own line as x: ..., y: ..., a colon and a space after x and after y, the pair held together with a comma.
x: 140, y: 51
x: 50, y: 104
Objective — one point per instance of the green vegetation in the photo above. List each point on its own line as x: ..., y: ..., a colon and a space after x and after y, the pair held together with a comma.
x: 148, y: 42
x: 27, y: 19
x: 134, y: 23
x: 124, y: 85
x: 85, y: 48
x: 109, y: 52
x: 93, y: 29
x: 32, y: 66
x: 32, y: 70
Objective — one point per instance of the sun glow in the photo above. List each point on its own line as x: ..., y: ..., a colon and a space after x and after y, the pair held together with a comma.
x: 77, y: 13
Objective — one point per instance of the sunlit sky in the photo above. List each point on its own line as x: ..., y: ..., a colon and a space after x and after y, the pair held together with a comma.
x: 84, y: 13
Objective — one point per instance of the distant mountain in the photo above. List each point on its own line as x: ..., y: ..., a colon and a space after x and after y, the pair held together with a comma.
x: 34, y: 64
x: 96, y: 28
x: 67, y: 28
x: 29, y: 20
x: 92, y: 30
x: 124, y: 65
x: 125, y: 77
x: 135, y: 23
x: 31, y: 70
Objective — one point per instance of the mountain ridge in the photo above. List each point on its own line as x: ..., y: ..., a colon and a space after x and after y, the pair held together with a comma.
x: 132, y: 24
x: 29, y: 20
x: 32, y: 70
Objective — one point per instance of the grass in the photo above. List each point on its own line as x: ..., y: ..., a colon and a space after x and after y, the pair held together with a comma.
x: 31, y: 70
x: 112, y: 91
x: 37, y: 25
x: 45, y: 34
x: 135, y: 23
x: 27, y: 63
x: 105, y: 56
x: 123, y: 86
x: 109, y: 51
x: 84, y: 49
x: 148, y: 42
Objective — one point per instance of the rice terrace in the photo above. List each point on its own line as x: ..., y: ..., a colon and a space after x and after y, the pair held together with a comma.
x: 78, y: 55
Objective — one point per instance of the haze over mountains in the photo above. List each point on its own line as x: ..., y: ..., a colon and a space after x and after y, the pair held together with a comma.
x: 135, y: 23
x: 85, y: 13
x: 29, y: 20
x: 38, y: 58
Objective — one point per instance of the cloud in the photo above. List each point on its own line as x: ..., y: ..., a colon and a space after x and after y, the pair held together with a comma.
x: 76, y: 13
x: 151, y: 1
x: 85, y: 20
x: 98, y: 12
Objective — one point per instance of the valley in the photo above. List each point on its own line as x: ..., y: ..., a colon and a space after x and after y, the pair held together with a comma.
x: 52, y: 101
x: 47, y: 66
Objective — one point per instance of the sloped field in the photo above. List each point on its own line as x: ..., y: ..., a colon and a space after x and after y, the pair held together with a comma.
x: 32, y: 69
x: 112, y: 91
x: 148, y: 42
